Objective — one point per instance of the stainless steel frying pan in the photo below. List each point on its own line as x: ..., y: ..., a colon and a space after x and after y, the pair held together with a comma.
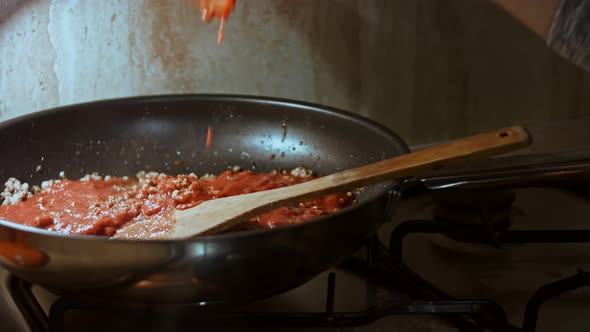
x: 122, y: 137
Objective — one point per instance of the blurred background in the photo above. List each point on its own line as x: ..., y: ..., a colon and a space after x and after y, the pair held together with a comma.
x: 431, y: 70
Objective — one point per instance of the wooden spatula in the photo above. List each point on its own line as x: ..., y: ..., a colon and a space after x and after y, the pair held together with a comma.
x: 216, y: 215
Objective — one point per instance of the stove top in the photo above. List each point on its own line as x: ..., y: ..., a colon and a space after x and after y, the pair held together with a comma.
x: 450, y: 260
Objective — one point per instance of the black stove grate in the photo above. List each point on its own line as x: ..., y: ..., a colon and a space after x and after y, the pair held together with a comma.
x: 484, y: 235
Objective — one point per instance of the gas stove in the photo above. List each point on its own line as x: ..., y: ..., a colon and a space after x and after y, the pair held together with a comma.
x: 454, y: 259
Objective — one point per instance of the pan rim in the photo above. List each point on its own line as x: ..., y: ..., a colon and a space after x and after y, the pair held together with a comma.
x: 391, y: 185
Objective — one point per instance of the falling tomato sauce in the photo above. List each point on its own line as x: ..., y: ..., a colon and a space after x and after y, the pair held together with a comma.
x: 209, y: 138
x: 216, y: 9
x: 142, y: 208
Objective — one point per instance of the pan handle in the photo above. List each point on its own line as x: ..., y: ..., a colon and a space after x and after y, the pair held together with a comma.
x: 558, y: 169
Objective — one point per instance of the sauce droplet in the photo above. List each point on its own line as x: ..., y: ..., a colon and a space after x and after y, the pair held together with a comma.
x: 209, y: 138
x: 220, y: 32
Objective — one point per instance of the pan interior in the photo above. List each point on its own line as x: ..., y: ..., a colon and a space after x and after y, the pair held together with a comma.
x: 169, y: 133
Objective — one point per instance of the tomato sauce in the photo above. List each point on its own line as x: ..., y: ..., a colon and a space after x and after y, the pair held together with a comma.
x: 142, y: 208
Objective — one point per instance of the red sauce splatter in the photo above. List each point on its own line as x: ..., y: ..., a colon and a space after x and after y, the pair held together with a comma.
x: 209, y: 138
x: 142, y: 209
x: 216, y: 9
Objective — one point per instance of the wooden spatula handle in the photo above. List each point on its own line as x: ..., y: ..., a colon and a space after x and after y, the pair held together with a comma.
x: 213, y: 216
x: 478, y: 146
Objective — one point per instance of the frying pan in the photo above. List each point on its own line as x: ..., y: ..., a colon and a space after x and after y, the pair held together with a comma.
x: 168, y: 134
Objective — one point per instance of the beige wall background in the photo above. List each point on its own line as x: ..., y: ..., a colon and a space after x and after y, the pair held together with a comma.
x: 429, y: 69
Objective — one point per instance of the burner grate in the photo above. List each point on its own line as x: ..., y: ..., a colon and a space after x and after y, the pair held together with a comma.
x: 481, y: 234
